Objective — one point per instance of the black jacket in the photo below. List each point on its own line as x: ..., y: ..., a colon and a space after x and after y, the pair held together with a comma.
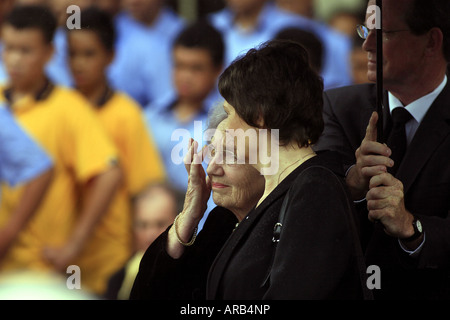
x: 425, y: 174
x: 316, y: 258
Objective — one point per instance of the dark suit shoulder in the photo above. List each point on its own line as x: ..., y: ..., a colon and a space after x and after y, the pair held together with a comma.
x: 365, y: 89
x: 350, y: 98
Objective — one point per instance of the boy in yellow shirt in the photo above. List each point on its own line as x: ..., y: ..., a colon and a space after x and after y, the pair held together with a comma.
x: 61, y: 121
x: 91, y: 50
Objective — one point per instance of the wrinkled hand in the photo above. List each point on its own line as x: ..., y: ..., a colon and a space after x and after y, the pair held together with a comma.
x: 385, y: 202
x: 372, y: 158
x: 199, y: 185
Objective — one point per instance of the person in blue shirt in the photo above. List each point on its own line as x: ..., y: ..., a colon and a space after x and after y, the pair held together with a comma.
x: 198, y: 59
x: 146, y: 30
x: 248, y: 23
x: 22, y: 161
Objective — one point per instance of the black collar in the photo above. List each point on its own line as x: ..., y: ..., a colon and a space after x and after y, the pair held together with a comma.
x: 42, y: 94
x: 105, y: 97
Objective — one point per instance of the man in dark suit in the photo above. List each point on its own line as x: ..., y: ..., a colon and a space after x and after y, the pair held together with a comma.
x: 409, y: 198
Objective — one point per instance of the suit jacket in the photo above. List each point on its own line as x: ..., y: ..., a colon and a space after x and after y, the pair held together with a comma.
x: 317, y: 256
x: 425, y: 174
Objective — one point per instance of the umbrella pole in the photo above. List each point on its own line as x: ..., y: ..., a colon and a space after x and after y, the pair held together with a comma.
x: 379, y: 34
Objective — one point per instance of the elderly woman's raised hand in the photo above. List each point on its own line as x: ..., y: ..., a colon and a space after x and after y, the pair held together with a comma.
x: 183, y: 231
x: 199, y: 185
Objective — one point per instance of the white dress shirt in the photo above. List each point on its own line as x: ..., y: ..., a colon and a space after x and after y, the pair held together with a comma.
x: 418, y: 109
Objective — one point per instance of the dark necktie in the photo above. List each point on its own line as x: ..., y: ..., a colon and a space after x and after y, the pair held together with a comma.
x: 397, y: 138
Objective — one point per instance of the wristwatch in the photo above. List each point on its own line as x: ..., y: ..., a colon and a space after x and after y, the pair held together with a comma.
x: 418, y: 230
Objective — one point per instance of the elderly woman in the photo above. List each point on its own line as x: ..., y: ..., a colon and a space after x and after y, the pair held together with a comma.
x: 176, y: 265
x: 316, y: 252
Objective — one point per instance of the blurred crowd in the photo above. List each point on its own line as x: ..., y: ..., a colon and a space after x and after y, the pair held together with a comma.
x: 123, y: 92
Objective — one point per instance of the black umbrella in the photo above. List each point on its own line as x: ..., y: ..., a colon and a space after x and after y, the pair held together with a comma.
x: 379, y: 33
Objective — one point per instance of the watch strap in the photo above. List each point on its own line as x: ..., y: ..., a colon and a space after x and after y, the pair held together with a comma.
x: 418, y: 231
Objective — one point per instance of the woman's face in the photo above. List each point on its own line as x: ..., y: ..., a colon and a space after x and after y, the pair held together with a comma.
x: 258, y: 147
x: 237, y: 187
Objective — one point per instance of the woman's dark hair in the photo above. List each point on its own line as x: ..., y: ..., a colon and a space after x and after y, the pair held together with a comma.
x: 33, y: 17
x: 423, y: 15
x: 201, y: 35
x: 308, y: 40
x: 101, y: 23
x: 275, y: 83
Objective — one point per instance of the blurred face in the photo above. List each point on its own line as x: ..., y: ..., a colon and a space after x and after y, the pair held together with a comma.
x: 153, y: 215
x: 25, y: 55
x: 194, y: 73
x: 142, y: 9
x: 403, y: 51
x: 88, y: 58
x: 237, y: 187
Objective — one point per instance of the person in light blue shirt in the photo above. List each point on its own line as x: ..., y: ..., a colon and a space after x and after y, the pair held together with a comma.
x: 21, y: 159
x: 143, y: 62
x: 172, y: 137
x: 22, y: 162
x: 198, y: 54
x: 247, y: 24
